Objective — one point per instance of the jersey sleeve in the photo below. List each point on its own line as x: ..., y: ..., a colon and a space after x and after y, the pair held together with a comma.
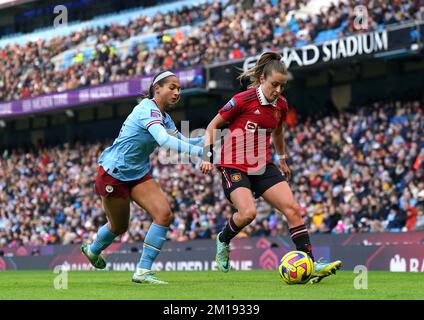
x: 197, y: 141
x: 170, y: 125
x: 231, y: 109
x: 149, y: 114
x: 284, y: 110
x: 164, y: 139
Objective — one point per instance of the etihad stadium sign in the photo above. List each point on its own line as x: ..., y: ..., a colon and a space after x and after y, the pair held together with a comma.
x: 361, y: 44
x: 327, y: 51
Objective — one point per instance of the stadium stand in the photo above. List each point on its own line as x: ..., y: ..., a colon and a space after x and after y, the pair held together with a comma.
x: 47, y: 195
x: 144, y: 41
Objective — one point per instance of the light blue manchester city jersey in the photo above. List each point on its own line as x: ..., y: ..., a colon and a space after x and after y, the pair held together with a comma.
x: 128, y: 157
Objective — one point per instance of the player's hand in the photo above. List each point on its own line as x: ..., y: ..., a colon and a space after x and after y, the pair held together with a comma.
x: 206, y: 167
x: 285, y: 168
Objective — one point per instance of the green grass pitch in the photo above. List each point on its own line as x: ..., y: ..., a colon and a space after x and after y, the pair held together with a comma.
x: 206, y: 285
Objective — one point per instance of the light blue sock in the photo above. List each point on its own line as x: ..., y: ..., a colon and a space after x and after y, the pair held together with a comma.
x: 104, y: 238
x: 153, y: 243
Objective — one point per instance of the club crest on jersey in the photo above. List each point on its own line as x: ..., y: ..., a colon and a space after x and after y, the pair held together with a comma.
x: 230, y: 105
x: 109, y: 188
x: 277, y: 114
x: 251, y: 126
x: 155, y: 114
x: 235, y: 177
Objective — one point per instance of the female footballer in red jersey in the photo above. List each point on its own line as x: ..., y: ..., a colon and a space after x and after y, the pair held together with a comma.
x: 253, y: 117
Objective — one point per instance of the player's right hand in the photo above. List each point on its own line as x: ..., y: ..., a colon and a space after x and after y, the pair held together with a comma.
x: 206, y: 167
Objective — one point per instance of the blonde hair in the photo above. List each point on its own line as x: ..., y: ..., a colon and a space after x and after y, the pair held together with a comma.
x: 267, y: 62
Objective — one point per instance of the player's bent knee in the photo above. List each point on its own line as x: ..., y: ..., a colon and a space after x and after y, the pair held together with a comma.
x: 248, y: 214
x: 164, y: 218
x: 292, y: 212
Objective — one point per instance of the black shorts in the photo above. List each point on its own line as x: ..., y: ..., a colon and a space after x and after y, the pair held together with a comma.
x: 235, y: 178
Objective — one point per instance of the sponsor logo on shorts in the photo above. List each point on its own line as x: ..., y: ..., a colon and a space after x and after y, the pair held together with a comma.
x: 109, y: 188
x: 235, y: 177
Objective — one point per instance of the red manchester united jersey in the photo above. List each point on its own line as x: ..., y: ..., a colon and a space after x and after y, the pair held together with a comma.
x: 251, y: 120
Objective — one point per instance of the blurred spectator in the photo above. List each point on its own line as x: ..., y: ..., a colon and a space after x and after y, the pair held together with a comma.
x: 419, y: 224
x: 352, y: 172
x: 218, y: 33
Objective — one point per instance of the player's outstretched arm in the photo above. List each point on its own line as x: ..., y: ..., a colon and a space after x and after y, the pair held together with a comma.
x: 216, y: 123
x: 197, y: 141
x: 164, y: 139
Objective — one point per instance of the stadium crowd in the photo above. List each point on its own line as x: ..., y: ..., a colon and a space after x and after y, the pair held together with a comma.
x: 219, y: 33
x: 352, y: 172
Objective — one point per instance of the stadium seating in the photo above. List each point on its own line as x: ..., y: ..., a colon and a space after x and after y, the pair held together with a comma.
x: 47, y: 195
x: 123, y: 18
x: 294, y: 24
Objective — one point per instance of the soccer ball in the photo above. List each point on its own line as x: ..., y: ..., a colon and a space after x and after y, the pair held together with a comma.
x: 296, y: 267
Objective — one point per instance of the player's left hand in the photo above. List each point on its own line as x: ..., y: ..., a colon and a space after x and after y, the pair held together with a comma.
x: 206, y: 167
x: 285, y: 168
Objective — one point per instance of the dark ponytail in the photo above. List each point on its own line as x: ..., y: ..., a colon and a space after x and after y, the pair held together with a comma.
x: 151, y: 93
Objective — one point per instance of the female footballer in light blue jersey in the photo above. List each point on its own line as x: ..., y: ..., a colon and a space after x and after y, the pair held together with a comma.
x: 124, y: 175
